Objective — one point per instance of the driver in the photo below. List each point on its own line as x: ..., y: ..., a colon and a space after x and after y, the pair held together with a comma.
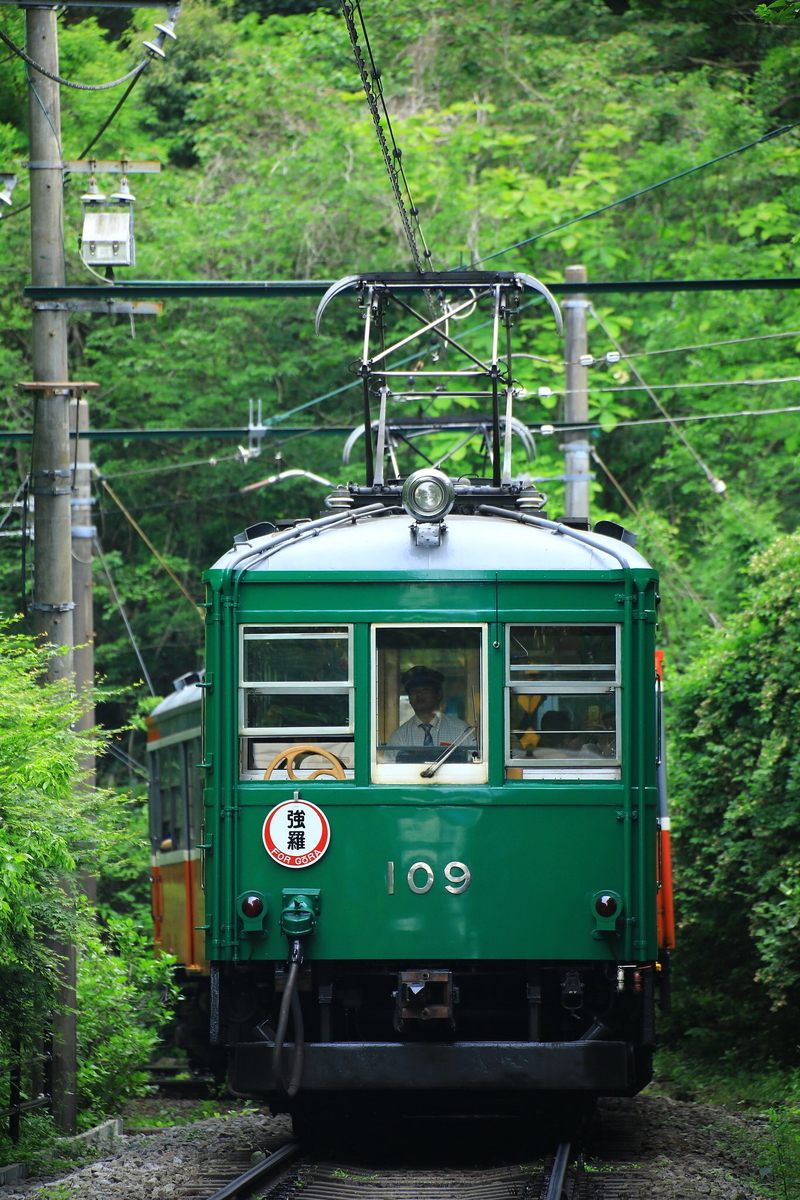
x: 429, y: 726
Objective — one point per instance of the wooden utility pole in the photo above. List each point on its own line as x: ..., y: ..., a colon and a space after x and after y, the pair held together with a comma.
x: 576, y: 406
x: 51, y: 474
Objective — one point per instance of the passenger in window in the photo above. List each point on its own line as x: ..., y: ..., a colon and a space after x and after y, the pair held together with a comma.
x: 556, y: 739
x: 430, y: 726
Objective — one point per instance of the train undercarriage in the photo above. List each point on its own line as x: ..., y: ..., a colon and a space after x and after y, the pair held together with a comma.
x: 452, y: 1033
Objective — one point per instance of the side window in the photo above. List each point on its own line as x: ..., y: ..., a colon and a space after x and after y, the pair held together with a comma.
x: 563, y: 701
x: 194, y: 784
x: 168, y: 769
x: 428, y: 717
x: 296, y: 701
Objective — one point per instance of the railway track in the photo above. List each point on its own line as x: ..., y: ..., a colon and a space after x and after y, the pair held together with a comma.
x: 648, y: 1149
x: 603, y: 1164
x: 234, y: 1175
x: 537, y: 1180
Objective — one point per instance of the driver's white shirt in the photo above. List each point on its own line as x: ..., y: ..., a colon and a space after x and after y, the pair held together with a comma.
x: 444, y: 731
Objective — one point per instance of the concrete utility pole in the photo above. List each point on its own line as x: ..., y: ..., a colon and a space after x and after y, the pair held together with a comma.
x: 576, y: 405
x: 51, y: 482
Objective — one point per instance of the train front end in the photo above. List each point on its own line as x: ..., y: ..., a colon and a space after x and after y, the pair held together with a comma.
x: 431, y: 806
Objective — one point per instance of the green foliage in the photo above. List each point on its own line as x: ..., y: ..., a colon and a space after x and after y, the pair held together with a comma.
x: 43, y: 1150
x: 782, y: 1153
x: 53, y: 826
x: 508, y: 127
x: 125, y: 996
x: 778, y: 10
x: 683, y: 1075
x: 167, y: 1115
x: 736, y: 798
x: 47, y: 825
x: 123, y: 884
x: 519, y: 116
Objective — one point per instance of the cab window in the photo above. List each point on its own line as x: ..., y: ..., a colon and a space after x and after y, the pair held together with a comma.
x: 428, y: 714
x: 563, y: 701
x: 296, y: 701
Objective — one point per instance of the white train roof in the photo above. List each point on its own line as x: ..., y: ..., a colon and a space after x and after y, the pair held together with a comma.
x: 189, y: 694
x: 471, y: 543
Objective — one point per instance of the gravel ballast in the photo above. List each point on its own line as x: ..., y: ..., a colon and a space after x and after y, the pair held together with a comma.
x: 663, y: 1149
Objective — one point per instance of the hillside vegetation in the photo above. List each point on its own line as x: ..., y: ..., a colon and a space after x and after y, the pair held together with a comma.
x: 517, y: 116
x: 514, y: 116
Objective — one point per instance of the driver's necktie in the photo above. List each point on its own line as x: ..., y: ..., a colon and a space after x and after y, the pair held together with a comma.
x: 428, y: 741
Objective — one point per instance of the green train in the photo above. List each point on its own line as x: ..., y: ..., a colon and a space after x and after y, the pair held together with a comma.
x: 434, y: 868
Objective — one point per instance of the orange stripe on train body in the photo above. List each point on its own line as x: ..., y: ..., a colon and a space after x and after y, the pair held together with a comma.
x: 664, y: 903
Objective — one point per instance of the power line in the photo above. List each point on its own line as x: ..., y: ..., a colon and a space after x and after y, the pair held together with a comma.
x: 14, y: 211
x: 742, y: 412
x: 717, y: 486
x: 634, y: 195
x: 197, y: 462
x: 83, y: 87
x: 17, y: 495
x: 159, y: 558
x: 669, y: 387
x: 759, y: 337
x: 687, y: 587
x: 116, y: 108
x: 124, y: 616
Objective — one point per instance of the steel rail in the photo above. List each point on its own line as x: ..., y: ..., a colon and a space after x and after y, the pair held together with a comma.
x: 558, y: 1175
x: 244, y: 1183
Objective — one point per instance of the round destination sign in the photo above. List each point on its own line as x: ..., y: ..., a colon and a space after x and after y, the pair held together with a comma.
x: 296, y: 833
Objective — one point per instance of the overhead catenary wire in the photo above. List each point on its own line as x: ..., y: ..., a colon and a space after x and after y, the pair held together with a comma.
x: 476, y: 328
x: 393, y: 159
x: 633, y: 195
x: 537, y: 427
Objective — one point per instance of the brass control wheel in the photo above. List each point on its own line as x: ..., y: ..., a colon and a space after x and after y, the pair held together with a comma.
x: 336, y: 768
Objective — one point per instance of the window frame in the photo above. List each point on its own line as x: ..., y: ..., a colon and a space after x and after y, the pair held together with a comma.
x: 567, y: 767
x: 408, y: 774
x: 295, y: 687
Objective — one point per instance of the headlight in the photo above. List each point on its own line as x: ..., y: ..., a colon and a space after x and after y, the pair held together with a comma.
x: 428, y: 495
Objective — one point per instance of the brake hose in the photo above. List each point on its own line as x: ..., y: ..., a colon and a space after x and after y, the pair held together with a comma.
x: 291, y: 1000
